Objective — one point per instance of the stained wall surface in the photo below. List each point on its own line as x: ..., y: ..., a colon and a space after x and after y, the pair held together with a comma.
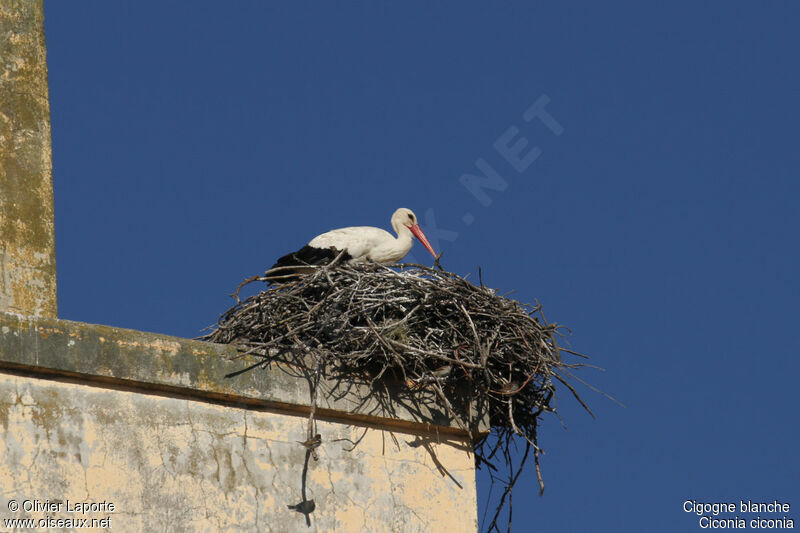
x: 27, y: 234
x: 151, y: 424
x: 172, y: 464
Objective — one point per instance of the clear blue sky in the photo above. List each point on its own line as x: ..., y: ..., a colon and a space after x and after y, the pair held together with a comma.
x: 194, y: 143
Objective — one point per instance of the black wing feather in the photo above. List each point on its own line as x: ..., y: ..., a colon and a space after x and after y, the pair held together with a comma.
x: 307, y: 255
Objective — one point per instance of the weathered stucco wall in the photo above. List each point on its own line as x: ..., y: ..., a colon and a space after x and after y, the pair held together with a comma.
x: 27, y: 242
x: 171, y: 464
x: 149, y: 423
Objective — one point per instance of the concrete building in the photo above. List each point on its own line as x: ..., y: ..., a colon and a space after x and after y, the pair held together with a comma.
x: 139, y: 431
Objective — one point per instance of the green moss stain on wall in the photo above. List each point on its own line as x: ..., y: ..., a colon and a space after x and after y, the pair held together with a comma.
x: 27, y: 236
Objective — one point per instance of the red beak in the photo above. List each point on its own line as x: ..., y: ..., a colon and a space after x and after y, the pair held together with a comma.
x: 417, y: 231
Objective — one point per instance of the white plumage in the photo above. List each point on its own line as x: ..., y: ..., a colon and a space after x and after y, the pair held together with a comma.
x: 360, y: 243
x: 364, y: 243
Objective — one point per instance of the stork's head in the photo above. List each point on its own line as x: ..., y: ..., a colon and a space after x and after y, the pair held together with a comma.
x: 405, y: 218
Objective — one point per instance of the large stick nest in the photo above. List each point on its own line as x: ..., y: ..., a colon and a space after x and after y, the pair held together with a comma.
x: 428, y: 327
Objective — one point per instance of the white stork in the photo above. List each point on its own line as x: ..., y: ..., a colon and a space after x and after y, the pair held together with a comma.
x: 358, y: 244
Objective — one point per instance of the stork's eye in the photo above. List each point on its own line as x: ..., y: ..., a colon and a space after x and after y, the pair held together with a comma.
x: 410, y: 217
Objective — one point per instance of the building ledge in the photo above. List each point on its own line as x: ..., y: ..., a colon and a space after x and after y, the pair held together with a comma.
x: 152, y: 363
